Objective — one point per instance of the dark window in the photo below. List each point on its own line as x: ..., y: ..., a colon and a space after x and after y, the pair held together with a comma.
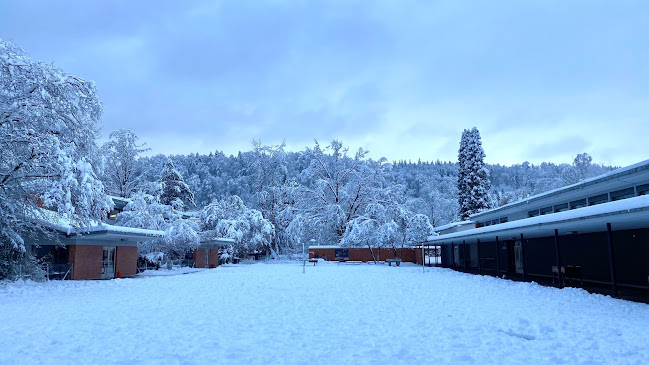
x: 546, y: 210
x: 561, y: 207
x: 533, y: 213
x: 578, y: 204
x: 495, y: 221
x: 503, y: 220
x: 622, y: 194
x: 487, y: 223
x: 643, y: 189
x: 598, y: 199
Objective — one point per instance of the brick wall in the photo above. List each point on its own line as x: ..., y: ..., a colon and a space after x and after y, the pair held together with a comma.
x: 126, y: 261
x: 199, y: 258
x: 86, y: 261
x: 214, y: 257
x: 363, y: 254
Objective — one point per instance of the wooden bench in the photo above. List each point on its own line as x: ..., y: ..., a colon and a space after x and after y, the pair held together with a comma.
x: 396, y: 261
x: 314, y: 261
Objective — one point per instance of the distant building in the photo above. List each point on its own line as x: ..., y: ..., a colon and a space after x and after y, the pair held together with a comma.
x: 593, y: 234
x: 101, y: 251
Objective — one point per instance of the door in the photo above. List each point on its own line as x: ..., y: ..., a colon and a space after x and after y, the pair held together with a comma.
x: 518, y: 257
x: 456, y: 255
x: 108, y: 263
x: 207, y: 257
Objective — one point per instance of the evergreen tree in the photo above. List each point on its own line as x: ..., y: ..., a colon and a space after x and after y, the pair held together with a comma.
x: 473, y: 182
x: 175, y: 191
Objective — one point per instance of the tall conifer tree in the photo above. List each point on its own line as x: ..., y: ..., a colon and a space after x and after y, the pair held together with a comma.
x: 473, y: 182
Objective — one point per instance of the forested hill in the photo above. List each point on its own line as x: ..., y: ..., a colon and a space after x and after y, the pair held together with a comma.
x: 261, y: 177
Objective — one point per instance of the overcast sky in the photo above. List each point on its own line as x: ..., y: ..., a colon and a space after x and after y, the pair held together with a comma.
x: 542, y: 81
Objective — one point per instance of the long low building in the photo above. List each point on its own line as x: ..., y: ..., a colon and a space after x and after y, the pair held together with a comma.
x: 594, y: 234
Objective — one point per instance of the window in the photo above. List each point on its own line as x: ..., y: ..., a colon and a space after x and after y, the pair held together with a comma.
x: 598, y: 199
x: 487, y: 223
x: 533, y: 213
x: 561, y: 207
x: 643, y: 189
x: 503, y: 220
x: 546, y: 210
x: 622, y: 194
x: 495, y: 221
x: 578, y: 204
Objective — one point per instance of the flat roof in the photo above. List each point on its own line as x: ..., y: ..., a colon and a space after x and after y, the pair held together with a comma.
x: 622, y: 214
x: 642, y: 166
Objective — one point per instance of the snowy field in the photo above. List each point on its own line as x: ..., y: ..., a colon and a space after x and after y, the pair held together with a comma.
x: 354, y: 314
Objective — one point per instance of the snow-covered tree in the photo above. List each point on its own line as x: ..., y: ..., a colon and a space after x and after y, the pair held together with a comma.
x: 334, y: 188
x: 48, y: 120
x: 230, y: 218
x: 174, y: 191
x: 473, y: 181
x: 121, y: 170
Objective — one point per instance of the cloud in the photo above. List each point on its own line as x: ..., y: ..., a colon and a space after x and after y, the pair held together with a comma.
x: 540, y: 80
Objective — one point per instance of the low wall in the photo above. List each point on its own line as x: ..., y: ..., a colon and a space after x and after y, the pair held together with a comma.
x: 364, y: 254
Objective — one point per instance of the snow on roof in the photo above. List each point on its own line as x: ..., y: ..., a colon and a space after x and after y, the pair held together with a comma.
x: 325, y: 246
x: 620, y: 206
x: 643, y: 165
x: 59, y: 222
x: 452, y: 225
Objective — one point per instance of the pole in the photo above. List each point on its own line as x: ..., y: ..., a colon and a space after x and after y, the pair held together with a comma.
x: 479, y: 264
x: 423, y: 259
x: 523, y: 259
x: 303, y: 260
x: 464, y: 253
x: 558, y: 254
x: 452, y: 255
x: 497, y: 257
x: 609, y: 236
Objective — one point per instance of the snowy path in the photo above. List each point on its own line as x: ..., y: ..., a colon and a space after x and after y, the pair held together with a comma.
x: 272, y: 313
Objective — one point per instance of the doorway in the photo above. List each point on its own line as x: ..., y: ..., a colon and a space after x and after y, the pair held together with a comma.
x: 108, y: 263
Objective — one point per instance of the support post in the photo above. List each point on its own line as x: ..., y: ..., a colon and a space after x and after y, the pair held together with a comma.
x: 611, y: 258
x: 423, y: 259
x: 303, y: 260
x: 497, y: 257
x: 479, y: 264
x: 523, y: 259
x: 464, y: 253
x: 452, y: 255
x: 558, y: 256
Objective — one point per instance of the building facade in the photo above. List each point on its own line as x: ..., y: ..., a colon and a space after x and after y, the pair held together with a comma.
x: 594, y: 235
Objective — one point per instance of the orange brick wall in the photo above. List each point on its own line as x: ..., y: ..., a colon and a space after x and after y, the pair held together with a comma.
x: 126, y: 261
x: 86, y: 261
x: 199, y: 258
x: 214, y: 257
x: 363, y: 254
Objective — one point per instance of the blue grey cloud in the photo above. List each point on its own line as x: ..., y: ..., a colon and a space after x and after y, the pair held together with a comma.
x: 399, y: 78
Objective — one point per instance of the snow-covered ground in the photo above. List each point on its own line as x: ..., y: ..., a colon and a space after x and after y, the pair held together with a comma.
x: 272, y: 313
